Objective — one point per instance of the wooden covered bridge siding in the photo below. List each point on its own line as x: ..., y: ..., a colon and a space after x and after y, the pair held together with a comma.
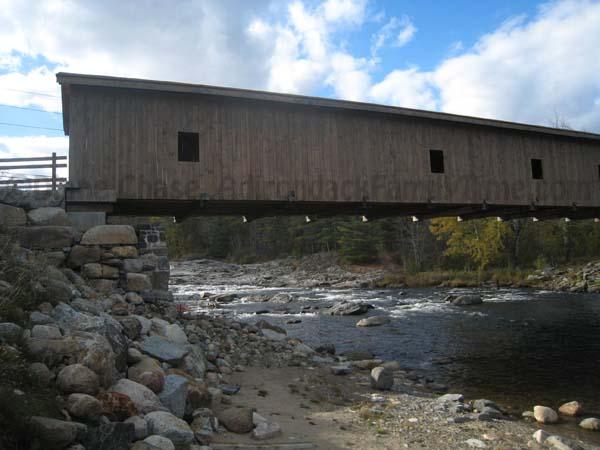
x: 267, y: 154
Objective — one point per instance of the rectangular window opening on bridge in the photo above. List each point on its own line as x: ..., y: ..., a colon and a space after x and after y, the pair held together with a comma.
x: 188, y: 145
x: 436, y: 161
x: 537, y: 171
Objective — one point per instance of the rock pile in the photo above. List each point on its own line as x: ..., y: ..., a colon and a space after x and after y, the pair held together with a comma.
x: 130, y: 370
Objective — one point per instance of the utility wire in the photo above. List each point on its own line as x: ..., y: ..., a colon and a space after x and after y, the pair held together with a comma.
x: 30, y: 92
x: 30, y: 109
x: 28, y: 126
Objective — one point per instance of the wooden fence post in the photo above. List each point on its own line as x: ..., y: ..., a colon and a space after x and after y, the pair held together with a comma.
x: 53, y: 171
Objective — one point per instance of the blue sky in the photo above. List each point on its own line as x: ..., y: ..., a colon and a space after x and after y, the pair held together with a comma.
x: 523, y: 61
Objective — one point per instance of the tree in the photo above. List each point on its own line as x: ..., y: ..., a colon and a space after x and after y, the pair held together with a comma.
x: 477, y: 241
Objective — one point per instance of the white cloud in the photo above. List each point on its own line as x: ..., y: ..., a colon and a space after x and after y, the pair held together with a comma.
x: 407, y: 32
x: 526, y: 71
x: 407, y: 88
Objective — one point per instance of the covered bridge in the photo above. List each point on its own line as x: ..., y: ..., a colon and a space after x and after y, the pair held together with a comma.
x: 146, y: 147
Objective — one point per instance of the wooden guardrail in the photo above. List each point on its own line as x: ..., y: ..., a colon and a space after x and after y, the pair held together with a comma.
x: 51, y: 182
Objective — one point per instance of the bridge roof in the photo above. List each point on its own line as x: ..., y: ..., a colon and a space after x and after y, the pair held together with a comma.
x: 67, y: 79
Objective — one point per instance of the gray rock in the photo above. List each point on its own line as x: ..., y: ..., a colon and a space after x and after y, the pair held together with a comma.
x: 41, y: 373
x: 561, y: 443
x: 11, y: 216
x: 466, y: 300
x: 32, y: 199
x: 58, y: 291
x: 134, y: 298
x: 70, y: 320
x: 146, y: 324
x: 46, y: 237
x: 373, y: 321
x: 449, y: 398
x: 163, y: 350
x: 382, y: 378
x: 38, y: 318
x: 48, y: 216
x: 93, y: 307
x: 110, y: 235
x: 591, y: 423
x: 133, y: 265
x: 167, y: 425
x: 194, y: 362
x: 159, y: 442
x: 482, y: 403
x: 139, y: 425
x: 110, y: 436
x: 84, y: 406
x: 81, y: 255
x: 266, y: 430
x: 341, y: 370
x: 77, y: 378
x: 204, y: 425
x: 543, y: 414
x: 54, y: 433
x: 10, y: 332
x: 143, y: 398
x: 131, y: 326
x: 175, y: 334
x: 134, y: 356
x: 489, y: 413
x: 174, y: 394
x: 46, y: 332
x: 138, y: 282
x: 349, y: 309
x: 237, y: 420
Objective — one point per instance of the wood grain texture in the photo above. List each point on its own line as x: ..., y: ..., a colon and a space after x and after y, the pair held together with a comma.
x: 259, y: 150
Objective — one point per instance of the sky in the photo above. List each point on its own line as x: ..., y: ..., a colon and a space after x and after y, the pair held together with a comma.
x: 527, y: 61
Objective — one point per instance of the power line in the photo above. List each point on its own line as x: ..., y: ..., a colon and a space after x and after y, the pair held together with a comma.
x: 30, y: 92
x: 30, y: 109
x: 28, y: 126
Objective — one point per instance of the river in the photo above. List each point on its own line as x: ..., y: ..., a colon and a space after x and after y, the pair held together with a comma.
x: 519, y: 348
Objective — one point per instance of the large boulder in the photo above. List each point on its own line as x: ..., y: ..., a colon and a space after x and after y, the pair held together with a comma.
x: 10, y: 332
x: 543, y: 414
x: 117, y: 406
x: 591, y: 423
x: 382, y: 378
x: 46, y: 332
x: 70, y: 320
x: 140, y: 426
x: 167, y: 425
x: 143, y: 398
x: 48, y: 216
x: 11, y: 216
x: 110, y: 235
x: 46, y: 237
x: 32, y: 199
x: 84, y: 406
x: 145, y: 365
x: 156, y: 442
x: 174, y: 394
x: 77, y: 378
x: 349, y: 309
x: 175, y: 334
x: 237, y: 420
x: 54, y: 433
x: 110, y: 436
x: 572, y: 409
x: 163, y: 350
x: 138, y: 282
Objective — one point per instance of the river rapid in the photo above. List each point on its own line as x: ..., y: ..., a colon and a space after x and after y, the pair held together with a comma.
x: 520, y: 347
